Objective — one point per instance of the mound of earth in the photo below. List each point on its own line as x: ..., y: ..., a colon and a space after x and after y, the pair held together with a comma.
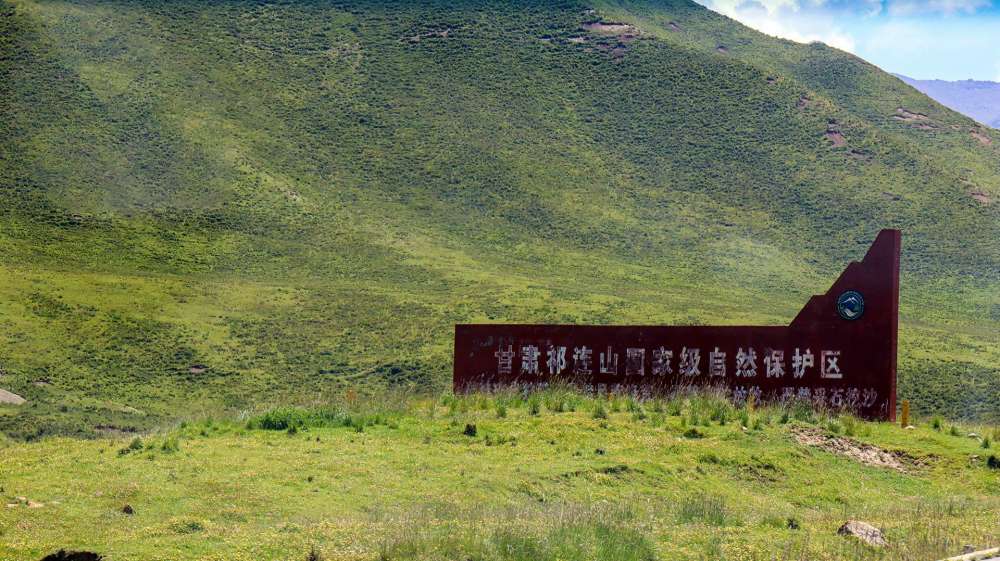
x: 865, y: 453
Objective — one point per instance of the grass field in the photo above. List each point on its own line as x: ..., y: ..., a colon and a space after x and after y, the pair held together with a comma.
x: 548, y: 476
x: 209, y: 207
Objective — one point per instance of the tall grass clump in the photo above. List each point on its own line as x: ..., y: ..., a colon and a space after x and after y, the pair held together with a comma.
x: 534, y: 406
x: 296, y: 418
x: 599, y: 410
x: 706, y: 509
x: 532, y: 536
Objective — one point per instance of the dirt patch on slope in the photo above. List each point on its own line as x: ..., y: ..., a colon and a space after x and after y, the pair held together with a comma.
x: 981, y: 196
x: 865, y: 453
x: 443, y: 33
x: 834, y: 135
x: 10, y: 398
x: 982, y: 138
x: 611, y: 28
x: 905, y: 115
x: 611, y: 38
x: 837, y: 138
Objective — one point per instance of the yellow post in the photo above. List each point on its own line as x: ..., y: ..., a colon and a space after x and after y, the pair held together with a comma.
x: 905, y: 418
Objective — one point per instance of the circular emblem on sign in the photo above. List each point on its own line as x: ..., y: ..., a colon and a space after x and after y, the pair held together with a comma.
x: 850, y: 305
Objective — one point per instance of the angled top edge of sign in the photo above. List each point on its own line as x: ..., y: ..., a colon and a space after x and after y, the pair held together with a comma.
x: 877, y: 273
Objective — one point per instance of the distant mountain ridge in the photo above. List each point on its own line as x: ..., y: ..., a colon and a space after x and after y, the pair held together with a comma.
x: 978, y: 99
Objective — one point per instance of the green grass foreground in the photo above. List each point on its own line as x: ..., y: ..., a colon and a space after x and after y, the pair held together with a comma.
x: 554, y: 475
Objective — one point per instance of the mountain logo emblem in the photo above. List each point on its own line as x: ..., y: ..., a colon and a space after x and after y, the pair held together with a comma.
x: 850, y: 305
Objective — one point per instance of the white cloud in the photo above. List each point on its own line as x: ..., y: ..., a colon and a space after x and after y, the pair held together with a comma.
x: 915, y: 7
x: 730, y: 7
x: 902, y: 37
x: 947, y: 39
x: 787, y: 19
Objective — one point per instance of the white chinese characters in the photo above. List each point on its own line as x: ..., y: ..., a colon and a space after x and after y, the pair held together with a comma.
x: 664, y: 361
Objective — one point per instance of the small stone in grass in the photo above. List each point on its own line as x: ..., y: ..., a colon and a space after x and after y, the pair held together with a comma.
x: 864, y: 532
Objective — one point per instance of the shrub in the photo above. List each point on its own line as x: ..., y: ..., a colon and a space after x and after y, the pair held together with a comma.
x: 599, y: 411
x: 134, y: 446
x: 639, y: 413
x: 720, y: 413
x: 279, y: 419
x: 187, y: 527
x: 850, y: 424
x: 534, y: 406
x: 171, y: 445
x: 674, y: 408
x: 616, y: 404
x: 693, y: 432
x: 632, y: 405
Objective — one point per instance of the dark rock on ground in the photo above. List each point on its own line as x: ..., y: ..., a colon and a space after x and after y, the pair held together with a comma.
x: 63, y: 555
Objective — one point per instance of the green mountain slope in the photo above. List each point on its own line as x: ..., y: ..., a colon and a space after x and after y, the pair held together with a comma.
x: 236, y: 203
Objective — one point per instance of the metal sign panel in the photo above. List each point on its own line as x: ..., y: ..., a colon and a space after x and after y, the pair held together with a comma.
x: 839, y: 351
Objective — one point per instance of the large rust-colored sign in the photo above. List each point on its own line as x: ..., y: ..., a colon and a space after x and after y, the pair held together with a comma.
x: 839, y: 351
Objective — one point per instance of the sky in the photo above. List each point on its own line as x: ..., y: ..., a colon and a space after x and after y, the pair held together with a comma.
x: 925, y: 39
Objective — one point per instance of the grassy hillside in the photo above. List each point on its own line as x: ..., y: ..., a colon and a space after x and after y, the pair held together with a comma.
x: 555, y: 476
x: 227, y: 204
